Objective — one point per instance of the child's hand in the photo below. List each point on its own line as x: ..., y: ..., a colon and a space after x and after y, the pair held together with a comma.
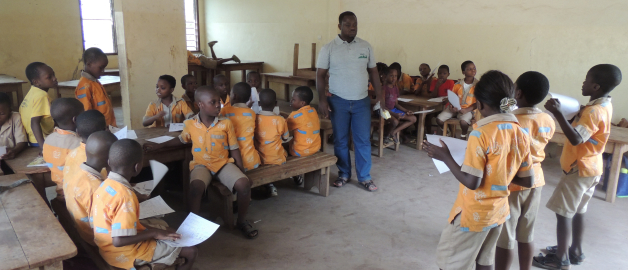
x: 440, y: 153
x: 453, y: 109
x: 553, y: 105
x: 151, y: 146
x: 165, y: 235
x: 161, y: 114
x: 9, y: 155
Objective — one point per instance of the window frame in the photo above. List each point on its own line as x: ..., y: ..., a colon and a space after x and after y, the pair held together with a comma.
x: 113, y: 30
x: 197, y: 29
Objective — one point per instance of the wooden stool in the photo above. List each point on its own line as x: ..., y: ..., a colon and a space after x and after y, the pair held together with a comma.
x: 455, y: 123
x: 380, y: 123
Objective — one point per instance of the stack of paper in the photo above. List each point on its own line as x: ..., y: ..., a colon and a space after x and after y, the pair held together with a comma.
x: 154, y: 207
x: 457, y: 148
x: 124, y: 133
x: 194, y: 230
x: 453, y: 99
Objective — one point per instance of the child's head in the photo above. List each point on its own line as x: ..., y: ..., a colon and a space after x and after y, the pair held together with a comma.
x: 5, y: 108
x: 531, y: 88
x: 220, y: 84
x: 165, y: 86
x: 267, y: 99
x: 89, y: 122
x: 381, y: 67
x: 424, y: 69
x: 301, y: 96
x: 495, y: 93
x: 468, y: 69
x: 41, y: 75
x: 397, y: 67
x: 188, y: 82
x: 65, y: 111
x: 254, y: 79
x: 125, y: 157
x: 97, y: 148
x: 443, y: 72
x: 241, y: 93
x: 601, y: 80
x: 208, y: 100
x: 95, y: 61
x: 390, y: 76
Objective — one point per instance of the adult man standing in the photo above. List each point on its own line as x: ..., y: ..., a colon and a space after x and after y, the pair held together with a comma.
x: 350, y: 61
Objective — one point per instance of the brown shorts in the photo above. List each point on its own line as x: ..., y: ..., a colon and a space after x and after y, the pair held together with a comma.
x: 227, y: 175
x: 572, y: 194
x: 461, y: 250
x: 524, y: 205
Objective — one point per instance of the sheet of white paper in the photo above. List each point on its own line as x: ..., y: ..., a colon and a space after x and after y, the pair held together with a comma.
x: 154, y: 207
x: 130, y: 134
x: 276, y: 110
x: 453, y: 99
x: 174, y: 127
x: 159, y: 170
x: 456, y: 147
x: 569, y: 106
x: 145, y: 187
x: 194, y: 230
x: 161, y: 139
x: 376, y: 107
x: 426, y: 111
x: 434, y: 70
x: 405, y: 99
x: 438, y: 99
x: 121, y: 134
x: 38, y: 162
x: 3, y: 150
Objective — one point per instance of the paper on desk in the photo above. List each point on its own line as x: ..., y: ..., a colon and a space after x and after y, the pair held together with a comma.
x: 457, y: 148
x: 161, y: 139
x: 154, y: 207
x: 145, y: 188
x: 438, y: 99
x: 568, y: 106
x: 194, y: 230
x: 125, y: 133
x: 405, y: 99
x: 37, y: 162
x: 3, y: 150
x: 174, y: 127
x: 425, y: 111
x: 453, y: 99
x: 159, y: 170
x: 434, y: 70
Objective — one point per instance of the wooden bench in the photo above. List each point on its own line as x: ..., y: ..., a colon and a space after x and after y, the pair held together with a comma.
x: 315, y: 167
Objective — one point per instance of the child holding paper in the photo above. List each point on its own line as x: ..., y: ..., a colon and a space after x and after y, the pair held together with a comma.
x: 465, y: 89
x: 254, y: 79
x: 166, y: 109
x: 401, y: 117
x: 422, y: 83
x: 498, y: 153
x: 122, y: 240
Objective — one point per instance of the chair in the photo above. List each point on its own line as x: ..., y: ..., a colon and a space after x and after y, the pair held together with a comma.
x: 454, y: 123
x: 379, y: 123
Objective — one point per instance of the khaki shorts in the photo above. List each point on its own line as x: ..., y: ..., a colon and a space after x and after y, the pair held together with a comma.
x: 572, y: 194
x: 524, y: 205
x: 164, y: 254
x: 208, y: 62
x: 447, y: 114
x: 461, y: 250
x: 227, y: 175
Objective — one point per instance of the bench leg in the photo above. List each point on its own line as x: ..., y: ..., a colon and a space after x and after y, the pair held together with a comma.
x: 185, y: 165
x: 220, y: 205
x: 53, y: 266
x: 319, y: 179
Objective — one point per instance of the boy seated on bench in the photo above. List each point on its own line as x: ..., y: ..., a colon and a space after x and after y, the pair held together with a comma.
x: 304, y: 125
x: 214, y: 149
x: 87, y: 123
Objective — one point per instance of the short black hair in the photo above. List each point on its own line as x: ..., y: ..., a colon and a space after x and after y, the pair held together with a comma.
x: 465, y: 64
x: 93, y: 54
x: 184, y: 79
x: 63, y: 110
x: 125, y: 153
x: 380, y: 67
x: 243, y: 91
x: 445, y: 67
x: 428, y: 66
x: 534, y: 86
x: 32, y: 70
x: 6, y: 99
x: 267, y: 97
x: 304, y: 93
x: 89, y: 122
x: 606, y: 75
x: 171, y: 80
x: 493, y: 87
x: 385, y: 71
x: 345, y: 14
x: 219, y: 76
x: 99, y: 143
x: 252, y: 73
x: 396, y: 66
x: 201, y: 91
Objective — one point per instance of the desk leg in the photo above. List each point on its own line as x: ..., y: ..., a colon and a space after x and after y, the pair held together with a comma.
x: 323, y: 140
x: 53, y: 266
x: 613, y: 177
x: 228, y: 76
x: 420, y: 131
x: 243, y: 75
x: 19, y: 94
x: 186, y: 177
x: 40, y: 184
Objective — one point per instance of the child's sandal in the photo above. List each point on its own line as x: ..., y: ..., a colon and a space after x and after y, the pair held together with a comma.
x: 247, y: 229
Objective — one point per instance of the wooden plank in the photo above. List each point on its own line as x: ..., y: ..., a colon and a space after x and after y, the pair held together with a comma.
x: 293, y: 167
x: 313, y: 60
x: 295, y: 60
x: 11, y: 254
x: 18, y: 164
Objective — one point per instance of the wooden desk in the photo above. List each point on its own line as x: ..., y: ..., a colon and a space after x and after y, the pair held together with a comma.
x: 9, y: 84
x: 31, y: 235
x: 421, y: 103
x: 287, y: 79
x: 112, y: 72
x: 111, y: 84
x: 244, y: 65
x: 199, y: 71
x: 617, y: 145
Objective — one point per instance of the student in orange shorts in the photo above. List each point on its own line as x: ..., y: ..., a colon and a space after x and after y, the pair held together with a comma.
x: 166, y: 109
x: 89, y: 91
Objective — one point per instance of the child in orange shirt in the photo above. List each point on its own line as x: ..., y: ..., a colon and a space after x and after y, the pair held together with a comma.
x: 422, y: 83
x: 87, y: 123
x: 304, y: 124
x: 167, y: 109
x: 498, y: 153
x: 35, y: 108
x: 89, y: 91
x: 57, y: 145
x: 465, y: 90
x: 189, y: 84
x: 254, y: 79
x: 222, y: 85
x: 270, y: 132
x: 404, y: 81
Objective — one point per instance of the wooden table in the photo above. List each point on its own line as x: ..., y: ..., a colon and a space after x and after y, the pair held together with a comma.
x: 112, y: 72
x: 617, y: 145
x: 9, y: 84
x: 244, y: 65
x: 421, y: 103
x: 111, y: 84
x: 288, y: 79
x: 31, y: 235
x: 199, y: 71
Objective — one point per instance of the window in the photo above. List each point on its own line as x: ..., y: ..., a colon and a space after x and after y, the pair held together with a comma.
x: 98, y: 25
x: 191, y: 25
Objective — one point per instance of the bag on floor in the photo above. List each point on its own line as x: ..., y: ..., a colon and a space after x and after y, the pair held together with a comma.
x: 622, y: 182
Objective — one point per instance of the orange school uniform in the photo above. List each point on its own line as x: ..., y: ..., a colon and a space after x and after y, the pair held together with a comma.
x: 192, y: 105
x: 271, y: 131
x: 305, y: 128
x: 540, y: 126
x: 179, y: 111
x: 243, y: 119
x: 56, y: 147
x: 497, y: 150
x: 92, y: 94
x: 226, y: 103
x: 405, y: 83
x: 418, y: 83
x: 593, y: 124
x: 78, y: 191
x: 116, y: 212
x: 467, y: 98
x: 210, y: 145
x: 73, y: 161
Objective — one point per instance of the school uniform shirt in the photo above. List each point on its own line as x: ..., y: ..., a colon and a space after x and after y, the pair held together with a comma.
x: 305, y: 128
x: 56, y: 147
x: 467, y: 96
x: 92, y: 94
x: 540, y: 126
x: 418, y: 83
x: 226, y: 103
x: 178, y: 112
x: 210, y: 145
x: 192, y: 105
x: 442, y: 89
x: 116, y: 212
x: 593, y: 124
x: 193, y: 59
x: 497, y: 149
x: 243, y: 120
x: 405, y: 83
x: 73, y: 161
x: 12, y: 131
x: 391, y: 94
x: 36, y: 103
x: 271, y: 131
x: 78, y: 191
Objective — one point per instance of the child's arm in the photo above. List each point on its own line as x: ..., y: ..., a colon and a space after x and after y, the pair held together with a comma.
x: 553, y: 105
x: 526, y: 182
x: 469, y: 109
x: 19, y: 147
x: 472, y: 182
x: 121, y: 241
x: 150, y: 120
x: 235, y: 154
x: 39, y: 135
